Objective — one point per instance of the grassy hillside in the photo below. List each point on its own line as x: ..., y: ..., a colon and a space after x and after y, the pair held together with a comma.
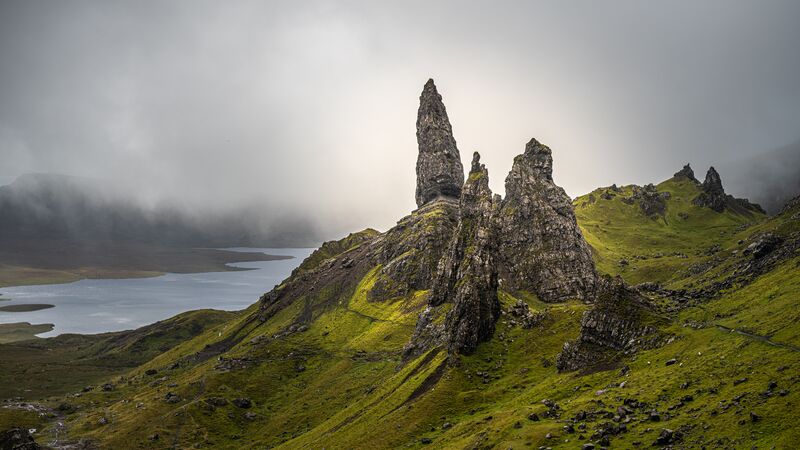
x: 658, y: 248
x: 331, y: 374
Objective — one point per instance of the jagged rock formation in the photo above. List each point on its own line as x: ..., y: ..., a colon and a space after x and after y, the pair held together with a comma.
x: 651, y: 202
x: 686, y: 172
x: 621, y: 321
x: 541, y: 248
x: 455, y: 250
x: 468, y: 273
x: 439, y: 169
x: 465, y: 288
x: 714, y: 196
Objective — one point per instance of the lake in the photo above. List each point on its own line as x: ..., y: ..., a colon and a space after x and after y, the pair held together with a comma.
x: 98, y: 306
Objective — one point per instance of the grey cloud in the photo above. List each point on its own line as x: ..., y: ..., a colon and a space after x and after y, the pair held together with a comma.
x: 309, y: 107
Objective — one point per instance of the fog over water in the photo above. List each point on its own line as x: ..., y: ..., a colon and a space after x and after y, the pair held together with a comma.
x: 308, y: 108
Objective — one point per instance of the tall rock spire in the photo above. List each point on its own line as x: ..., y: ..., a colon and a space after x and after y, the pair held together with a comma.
x: 466, y: 276
x: 439, y: 169
x: 541, y: 248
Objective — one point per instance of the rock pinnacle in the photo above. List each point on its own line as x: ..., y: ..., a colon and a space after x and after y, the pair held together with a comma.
x: 439, y: 169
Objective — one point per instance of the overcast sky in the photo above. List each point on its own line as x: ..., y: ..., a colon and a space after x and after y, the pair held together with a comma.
x: 312, y: 105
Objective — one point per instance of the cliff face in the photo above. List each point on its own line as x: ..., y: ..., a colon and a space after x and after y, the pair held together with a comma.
x: 541, y: 248
x: 439, y: 169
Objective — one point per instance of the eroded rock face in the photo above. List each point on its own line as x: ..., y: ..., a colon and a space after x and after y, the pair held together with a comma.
x: 468, y: 273
x: 621, y: 321
x: 465, y: 287
x: 686, y: 172
x: 541, y: 248
x: 439, y: 169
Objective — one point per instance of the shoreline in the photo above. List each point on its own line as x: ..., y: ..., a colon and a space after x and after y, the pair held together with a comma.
x: 43, y: 266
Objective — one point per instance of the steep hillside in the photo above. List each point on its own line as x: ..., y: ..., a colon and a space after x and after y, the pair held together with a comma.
x: 480, y: 322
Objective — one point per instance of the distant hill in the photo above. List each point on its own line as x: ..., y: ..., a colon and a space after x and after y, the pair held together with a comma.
x: 80, y: 210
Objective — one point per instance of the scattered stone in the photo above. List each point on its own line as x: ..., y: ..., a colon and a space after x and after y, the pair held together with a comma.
x: 107, y: 387
x: 667, y: 437
x: 250, y: 416
x: 763, y: 245
x: 426, y: 440
x: 533, y: 417
x: 172, y: 398
x: 242, y: 402
x: 102, y: 421
x: 216, y: 401
x: 670, y: 362
x: 150, y: 372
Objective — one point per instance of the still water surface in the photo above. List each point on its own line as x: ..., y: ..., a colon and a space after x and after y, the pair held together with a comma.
x: 98, y: 306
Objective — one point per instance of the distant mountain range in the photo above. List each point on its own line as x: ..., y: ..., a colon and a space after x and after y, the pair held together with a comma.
x: 80, y: 210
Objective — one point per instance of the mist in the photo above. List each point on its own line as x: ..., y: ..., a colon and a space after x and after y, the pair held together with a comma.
x: 307, y: 111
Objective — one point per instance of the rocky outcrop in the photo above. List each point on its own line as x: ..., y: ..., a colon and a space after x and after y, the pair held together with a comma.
x: 541, y: 248
x: 466, y: 279
x: 18, y: 439
x: 621, y: 322
x: 468, y: 273
x: 651, y: 202
x: 687, y: 173
x: 439, y: 169
x: 713, y: 196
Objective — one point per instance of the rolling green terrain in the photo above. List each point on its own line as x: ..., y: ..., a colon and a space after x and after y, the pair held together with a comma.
x: 328, y: 370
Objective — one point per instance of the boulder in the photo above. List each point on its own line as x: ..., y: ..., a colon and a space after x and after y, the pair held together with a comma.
x: 18, y: 439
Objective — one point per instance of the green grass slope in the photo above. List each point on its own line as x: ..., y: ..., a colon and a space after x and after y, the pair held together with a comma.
x: 627, y: 242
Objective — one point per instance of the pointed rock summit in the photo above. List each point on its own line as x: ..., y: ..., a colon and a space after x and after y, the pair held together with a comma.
x: 713, y: 195
x: 541, y: 248
x: 686, y: 172
x: 439, y: 169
